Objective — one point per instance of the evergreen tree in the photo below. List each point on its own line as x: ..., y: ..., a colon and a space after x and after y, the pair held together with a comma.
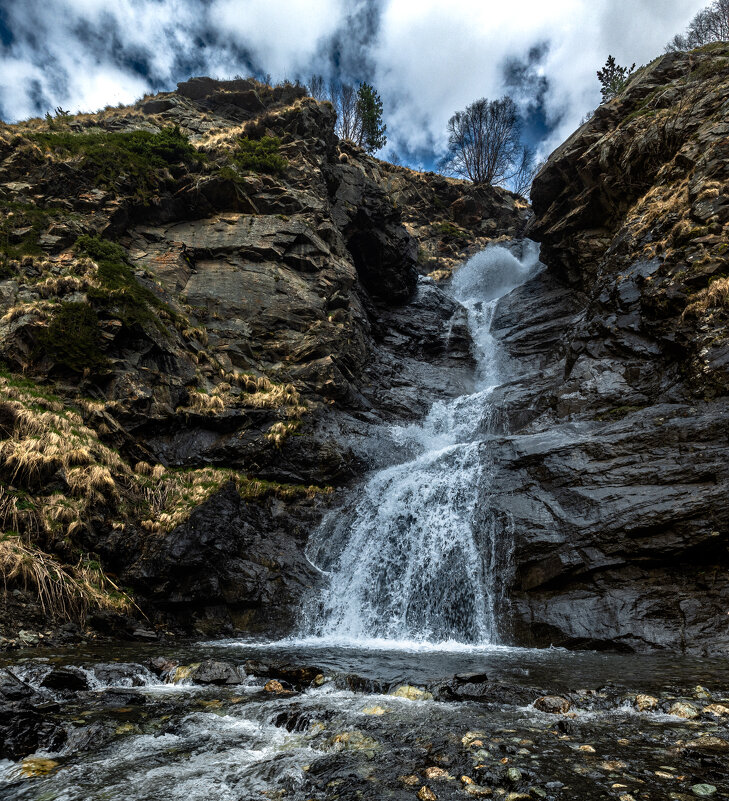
x: 613, y: 78
x: 369, y: 107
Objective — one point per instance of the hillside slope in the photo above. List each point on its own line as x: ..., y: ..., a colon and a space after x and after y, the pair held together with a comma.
x: 206, y: 300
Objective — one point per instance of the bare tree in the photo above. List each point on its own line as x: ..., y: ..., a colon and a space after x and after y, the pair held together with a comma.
x: 359, y: 111
x: 484, y: 141
x: 348, y: 116
x: 523, y: 176
x: 316, y: 87
x: 711, y: 24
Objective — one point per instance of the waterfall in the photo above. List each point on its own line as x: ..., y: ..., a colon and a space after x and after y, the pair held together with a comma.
x: 418, y: 555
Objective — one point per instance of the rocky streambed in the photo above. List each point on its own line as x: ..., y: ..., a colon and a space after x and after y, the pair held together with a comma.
x: 316, y: 720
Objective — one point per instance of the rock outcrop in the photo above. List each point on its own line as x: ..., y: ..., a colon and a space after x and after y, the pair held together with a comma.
x: 621, y: 413
x: 211, y: 300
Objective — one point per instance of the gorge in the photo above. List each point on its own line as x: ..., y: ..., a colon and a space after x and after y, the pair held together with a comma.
x: 481, y: 445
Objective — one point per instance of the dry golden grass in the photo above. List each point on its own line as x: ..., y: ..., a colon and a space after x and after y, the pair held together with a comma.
x: 221, y: 138
x: 61, y: 591
x: 15, y: 312
x: 715, y: 296
x: 44, y: 440
x: 280, y: 431
x: 257, y: 392
x: 173, y: 499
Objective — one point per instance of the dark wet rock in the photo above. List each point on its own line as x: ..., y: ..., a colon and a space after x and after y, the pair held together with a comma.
x: 66, y: 680
x: 299, y: 676
x: 214, y: 672
x: 118, y: 698
x: 554, y: 704
x: 613, y: 550
x: 12, y: 688
x: 114, y: 674
x: 24, y: 730
x: 477, y: 687
x: 361, y: 684
x: 162, y: 667
x: 298, y: 719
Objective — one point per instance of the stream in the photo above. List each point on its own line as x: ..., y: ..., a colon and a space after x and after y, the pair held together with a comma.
x: 397, y: 686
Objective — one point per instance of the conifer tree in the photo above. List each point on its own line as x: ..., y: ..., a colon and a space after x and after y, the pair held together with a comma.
x: 369, y: 107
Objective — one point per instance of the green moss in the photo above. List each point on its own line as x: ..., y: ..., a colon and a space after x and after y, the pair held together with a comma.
x: 258, y: 155
x: 120, y: 292
x: 138, y: 156
x: 72, y: 339
x: 28, y: 386
x: 21, y: 226
x: 640, y: 112
x: 711, y: 68
x: 447, y: 230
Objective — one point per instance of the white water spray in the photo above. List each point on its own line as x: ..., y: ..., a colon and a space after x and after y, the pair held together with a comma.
x: 419, y: 555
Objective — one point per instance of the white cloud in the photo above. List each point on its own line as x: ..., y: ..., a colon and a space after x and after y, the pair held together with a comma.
x: 283, y: 36
x: 429, y: 58
x: 433, y: 59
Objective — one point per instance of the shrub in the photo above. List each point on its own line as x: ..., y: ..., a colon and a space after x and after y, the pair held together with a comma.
x: 72, y: 339
x: 447, y: 230
x: 259, y: 155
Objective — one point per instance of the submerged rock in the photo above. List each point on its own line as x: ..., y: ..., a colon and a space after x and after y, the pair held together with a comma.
x: 411, y: 693
x: 703, y: 790
x: 553, y: 704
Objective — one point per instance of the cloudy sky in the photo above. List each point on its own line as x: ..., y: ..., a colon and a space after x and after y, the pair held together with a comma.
x: 427, y: 58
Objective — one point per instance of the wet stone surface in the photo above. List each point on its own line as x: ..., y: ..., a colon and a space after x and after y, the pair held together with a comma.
x: 309, y: 721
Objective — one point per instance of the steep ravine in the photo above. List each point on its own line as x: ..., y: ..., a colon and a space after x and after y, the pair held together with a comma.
x: 289, y: 314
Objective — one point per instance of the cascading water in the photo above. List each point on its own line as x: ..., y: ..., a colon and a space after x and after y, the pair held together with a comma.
x: 419, y: 555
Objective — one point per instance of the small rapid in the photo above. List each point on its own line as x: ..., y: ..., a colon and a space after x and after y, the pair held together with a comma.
x: 419, y: 556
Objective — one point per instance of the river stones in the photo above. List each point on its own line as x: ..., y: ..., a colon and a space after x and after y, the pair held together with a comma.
x: 717, y: 710
x: 300, y: 676
x: 684, y: 710
x: 412, y: 693
x: 645, y: 703
x: 37, y: 766
x: 426, y: 794
x: 552, y: 704
x: 435, y: 774
x: 703, y: 790
x: 709, y: 744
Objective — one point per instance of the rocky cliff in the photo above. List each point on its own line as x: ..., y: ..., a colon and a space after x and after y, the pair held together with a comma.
x: 620, y: 514
x: 210, y: 305
x: 206, y: 302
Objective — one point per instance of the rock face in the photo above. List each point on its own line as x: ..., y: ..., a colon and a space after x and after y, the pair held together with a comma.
x: 621, y: 414
x: 214, y: 371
